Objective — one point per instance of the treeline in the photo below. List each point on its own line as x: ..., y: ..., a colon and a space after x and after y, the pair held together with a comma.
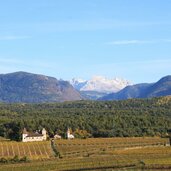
x: 134, y: 117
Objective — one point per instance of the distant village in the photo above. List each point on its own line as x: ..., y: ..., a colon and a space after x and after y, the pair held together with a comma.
x: 42, y: 135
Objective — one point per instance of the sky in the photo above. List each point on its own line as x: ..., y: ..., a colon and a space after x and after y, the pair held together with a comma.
x: 83, y: 38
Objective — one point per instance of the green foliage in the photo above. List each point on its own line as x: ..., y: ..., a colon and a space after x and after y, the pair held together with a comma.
x: 134, y: 117
x: 3, y: 160
x: 15, y: 159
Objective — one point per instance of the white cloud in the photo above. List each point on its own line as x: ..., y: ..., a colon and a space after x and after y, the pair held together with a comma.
x: 13, y: 37
x: 128, y: 42
x: 125, y: 42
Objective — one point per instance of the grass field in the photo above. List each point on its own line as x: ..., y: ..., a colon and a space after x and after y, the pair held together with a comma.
x: 90, y: 154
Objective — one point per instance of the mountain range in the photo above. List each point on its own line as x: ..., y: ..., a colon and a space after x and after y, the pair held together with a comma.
x: 146, y: 90
x: 98, y: 86
x: 23, y: 87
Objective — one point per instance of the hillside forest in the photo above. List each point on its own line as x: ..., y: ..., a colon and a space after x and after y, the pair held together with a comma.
x: 127, y: 118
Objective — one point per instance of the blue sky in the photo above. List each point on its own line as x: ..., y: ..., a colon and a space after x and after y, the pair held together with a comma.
x: 82, y: 38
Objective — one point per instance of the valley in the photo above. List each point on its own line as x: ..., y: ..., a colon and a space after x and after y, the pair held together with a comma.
x: 109, y: 135
x: 85, y: 85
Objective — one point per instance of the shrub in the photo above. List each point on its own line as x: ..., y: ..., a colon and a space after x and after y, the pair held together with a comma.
x: 3, y: 160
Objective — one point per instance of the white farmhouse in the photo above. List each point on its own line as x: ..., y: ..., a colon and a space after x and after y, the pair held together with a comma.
x: 69, y: 135
x: 30, y: 137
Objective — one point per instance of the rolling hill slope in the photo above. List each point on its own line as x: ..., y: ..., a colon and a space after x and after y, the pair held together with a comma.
x: 33, y: 88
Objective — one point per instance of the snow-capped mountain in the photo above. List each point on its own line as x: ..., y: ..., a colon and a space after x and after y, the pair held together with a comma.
x: 100, y: 84
x: 78, y: 83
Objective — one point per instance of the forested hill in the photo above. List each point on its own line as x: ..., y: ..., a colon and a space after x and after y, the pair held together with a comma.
x: 134, y: 117
x: 34, y: 88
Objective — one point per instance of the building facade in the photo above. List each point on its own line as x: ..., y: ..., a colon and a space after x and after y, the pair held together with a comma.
x: 36, y: 136
x: 69, y: 135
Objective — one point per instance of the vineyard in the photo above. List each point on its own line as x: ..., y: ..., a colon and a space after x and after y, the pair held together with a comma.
x: 93, y: 146
x: 33, y: 150
x: 89, y: 154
